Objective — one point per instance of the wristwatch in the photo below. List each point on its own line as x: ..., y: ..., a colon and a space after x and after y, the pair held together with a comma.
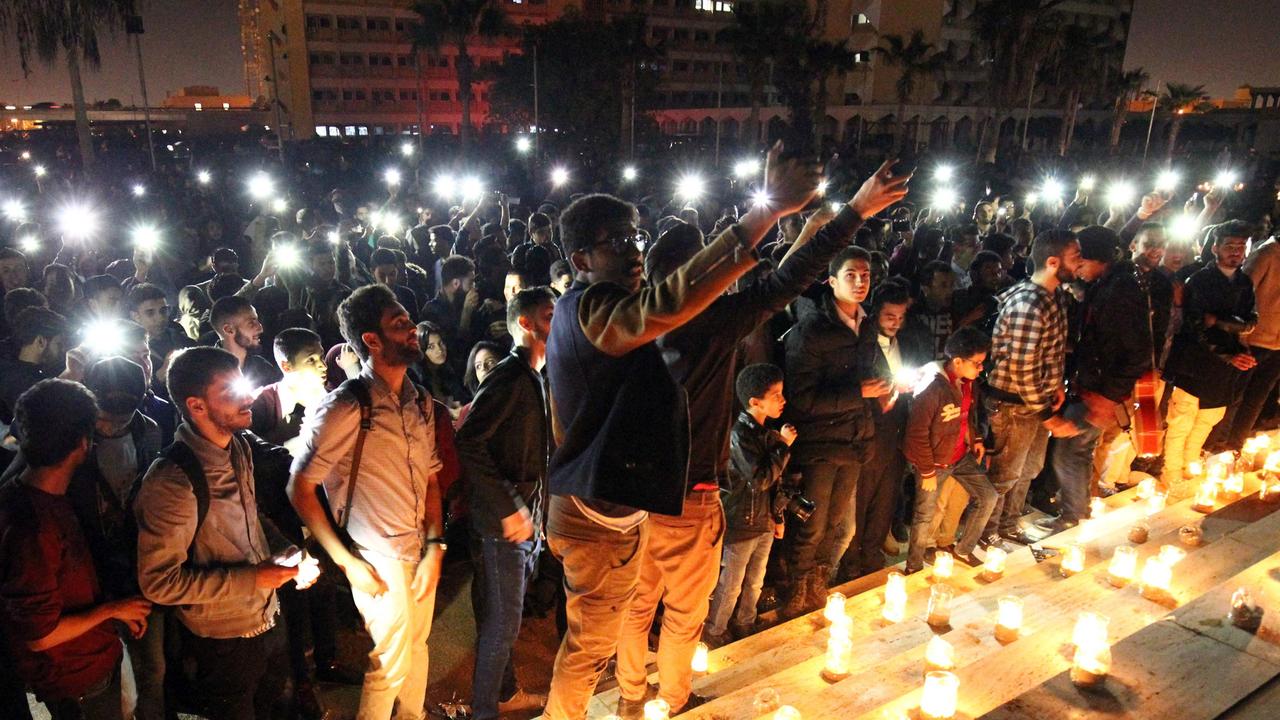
x: 437, y: 541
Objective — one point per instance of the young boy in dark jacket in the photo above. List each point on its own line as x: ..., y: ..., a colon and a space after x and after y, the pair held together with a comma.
x: 944, y: 441
x: 757, y: 458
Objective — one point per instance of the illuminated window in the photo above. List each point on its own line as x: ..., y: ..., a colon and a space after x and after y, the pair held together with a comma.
x: 713, y: 6
x: 322, y: 131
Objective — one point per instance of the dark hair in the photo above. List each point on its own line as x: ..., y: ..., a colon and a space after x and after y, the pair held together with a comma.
x: 1230, y: 229
x: 19, y: 299
x: 755, y: 380
x: 1050, y: 244
x: 672, y: 249
x: 932, y: 268
x: 225, y: 255
x: 426, y: 329
x: 853, y: 252
x: 11, y: 253
x: 526, y: 301
x: 469, y: 379
x: 191, y: 372
x: 224, y: 285
x: 893, y: 291
x: 362, y: 312
x: 998, y: 243
x: 984, y: 257
x: 53, y: 418
x: 118, y: 383
x: 1098, y: 243
x: 455, y: 267
x: 37, y: 322
x: 383, y: 256
x: 98, y: 284
x: 290, y: 343
x: 194, y: 296
x: 561, y: 267
x: 142, y: 293
x: 582, y: 221
x: 443, y: 231
x: 226, y: 308
x: 967, y: 342
x: 538, y: 221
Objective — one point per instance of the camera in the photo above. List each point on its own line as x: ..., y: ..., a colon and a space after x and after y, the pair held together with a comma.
x: 791, y: 501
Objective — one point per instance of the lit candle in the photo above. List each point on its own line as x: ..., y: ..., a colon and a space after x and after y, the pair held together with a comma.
x: 834, y: 611
x: 1171, y: 554
x: 1097, y: 507
x: 1092, y: 659
x: 699, y: 662
x: 1225, y: 462
x: 1156, y: 503
x: 1272, y: 466
x: 939, y: 655
x: 1146, y: 488
x: 839, y: 650
x: 1244, y: 613
x: 993, y: 566
x: 1072, y: 560
x: 938, y: 701
x: 944, y: 564
x: 1156, y: 576
x: 786, y: 712
x: 1123, y: 565
x: 940, y: 605
x: 1087, y: 529
x: 1269, y: 491
x: 1195, y: 468
x: 895, y: 597
x: 1233, y: 487
x: 1008, y: 618
x: 657, y: 710
x: 1206, y: 496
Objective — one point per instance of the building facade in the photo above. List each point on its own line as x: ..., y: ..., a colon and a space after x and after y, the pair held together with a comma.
x: 346, y: 67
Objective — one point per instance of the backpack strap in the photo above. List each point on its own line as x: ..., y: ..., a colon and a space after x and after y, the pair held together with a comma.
x: 360, y: 391
x: 181, y: 455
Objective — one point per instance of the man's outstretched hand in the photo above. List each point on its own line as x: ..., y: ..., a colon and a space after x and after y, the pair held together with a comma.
x: 880, y: 191
x: 789, y: 184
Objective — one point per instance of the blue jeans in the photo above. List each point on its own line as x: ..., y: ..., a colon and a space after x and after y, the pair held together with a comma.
x: 973, y: 479
x: 1019, y: 440
x: 1073, y: 466
x: 741, y: 577
x: 502, y: 571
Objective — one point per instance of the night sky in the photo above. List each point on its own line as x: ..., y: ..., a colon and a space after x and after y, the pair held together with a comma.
x: 196, y: 42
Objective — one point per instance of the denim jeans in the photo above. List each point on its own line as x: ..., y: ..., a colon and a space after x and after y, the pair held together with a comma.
x: 146, y: 659
x: 741, y: 577
x: 502, y: 571
x: 973, y: 479
x: 1019, y: 440
x: 1073, y: 466
x: 100, y: 702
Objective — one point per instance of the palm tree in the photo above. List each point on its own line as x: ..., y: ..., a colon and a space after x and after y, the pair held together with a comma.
x: 1126, y: 89
x: 1176, y: 98
x: 763, y: 32
x: 44, y: 29
x: 916, y: 61
x: 1076, y: 67
x: 827, y: 59
x: 455, y: 23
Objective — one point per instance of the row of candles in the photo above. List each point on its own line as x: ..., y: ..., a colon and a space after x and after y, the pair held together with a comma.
x: 1091, y: 659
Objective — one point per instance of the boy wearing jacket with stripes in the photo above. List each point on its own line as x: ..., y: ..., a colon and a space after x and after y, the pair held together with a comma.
x: 944, y: 444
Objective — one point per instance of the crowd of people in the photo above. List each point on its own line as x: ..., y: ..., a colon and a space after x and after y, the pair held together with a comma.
x: 653, y: 424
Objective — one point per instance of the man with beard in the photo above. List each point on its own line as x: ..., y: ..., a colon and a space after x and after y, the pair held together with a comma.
x: 39, y: 336
x: 1025, y: 384
x: 239, y: 331
x: 203, y: 548
x: 371, y: 446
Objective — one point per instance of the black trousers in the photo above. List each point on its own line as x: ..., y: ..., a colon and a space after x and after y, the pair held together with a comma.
x: 878, y: 496
x: 237, y: 678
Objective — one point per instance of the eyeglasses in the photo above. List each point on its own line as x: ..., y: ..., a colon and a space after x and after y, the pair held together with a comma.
x: 622, y: 243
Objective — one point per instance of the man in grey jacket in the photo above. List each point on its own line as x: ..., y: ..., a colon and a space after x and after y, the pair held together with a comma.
x: 203, y: 548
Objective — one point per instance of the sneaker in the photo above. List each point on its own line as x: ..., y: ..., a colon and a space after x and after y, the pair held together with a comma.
x: 695, y: 700
x: 911, y: 570
x: 969, y: 559
x: 524, y: 700
x: 995, y: 541
x: 1055, y: 525
x: 1020, y: 537
x: 634, y: 709
x: 716, y: 640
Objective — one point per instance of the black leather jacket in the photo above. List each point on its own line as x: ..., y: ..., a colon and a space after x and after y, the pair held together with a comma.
x: 757, y: 458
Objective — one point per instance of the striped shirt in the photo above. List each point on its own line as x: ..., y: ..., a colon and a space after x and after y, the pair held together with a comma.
x: 1029, y: 345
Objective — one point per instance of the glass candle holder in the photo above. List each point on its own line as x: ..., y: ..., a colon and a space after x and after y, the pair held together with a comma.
x: 1206, y: 496
x: 938, y: 701
x: 1232, y: 487
x: 1146, y: 488
x: 944, y: 564
x: 940, y: 596
x: 839, y: 652
x: 939, y: 655
x: 1156, y: 578
x: 1123, y: 566
x: 834, y: 611
x: 786, y: 712
x: 657, y: 709
x: 1157, y: 502
x: 699, y: 662
x: 895, y: 597
x: 993, y: 566
x: 1072, y: 560
x: 1008, y: 618
x: 1097, y: 507
x: 1171, y: 554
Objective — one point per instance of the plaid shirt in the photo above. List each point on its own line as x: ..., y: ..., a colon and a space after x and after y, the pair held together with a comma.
x: 1029, y: 345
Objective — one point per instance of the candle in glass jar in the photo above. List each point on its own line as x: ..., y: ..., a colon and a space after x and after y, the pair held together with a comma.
x: 657, y: 710
x: 1171, y: 554
x: 944, y: 564
x: 1156, y: 502
x: 839, y: 652
x: 1072, y: 560
x: 1092, y: 659
x: 1008, y: 618
x: 1233, y: 487
x: 1195, y: 468
x: 1123, y: 565
x: 895, y: 597
x: 938, y: 701
x: 699, y: 662
x: 834, y: 611
x: 786, y: 712
x: 1206, y: 496
x: 1269, y: 491
x: 1272, y: 465
x: 1146, y: 488
x: 939, y: 655
x: 1097, y: 507
x: 993, y: 566
x: 940, y: 605
x: 1156, y: 576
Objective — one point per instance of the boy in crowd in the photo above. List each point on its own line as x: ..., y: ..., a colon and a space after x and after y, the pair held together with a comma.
x: 757, y: 459
x: 944, y: 445
x: 280, y: 406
